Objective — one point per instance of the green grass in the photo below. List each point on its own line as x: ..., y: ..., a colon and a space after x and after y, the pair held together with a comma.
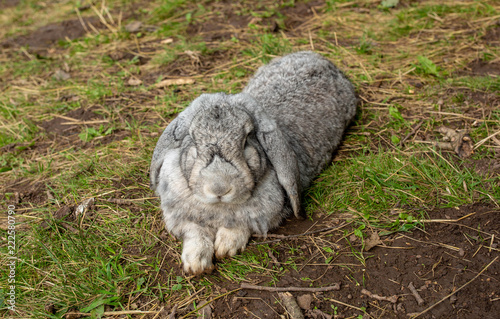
x: 371, y: 185
x: 406, y: 71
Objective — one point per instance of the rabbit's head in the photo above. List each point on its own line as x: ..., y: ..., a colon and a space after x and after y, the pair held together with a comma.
x: 227, y: 143
x: 222, y: 158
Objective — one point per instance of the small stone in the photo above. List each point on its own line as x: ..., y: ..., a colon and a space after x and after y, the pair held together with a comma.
x: 349, y: 296
x: 400, y: 308
x: 134, y: 26
x: 134, y: 82
x: 117, y: 55
x: 205, y: 312
x: 453, y: 299
x: 61, y: 75
x: 304, y: 301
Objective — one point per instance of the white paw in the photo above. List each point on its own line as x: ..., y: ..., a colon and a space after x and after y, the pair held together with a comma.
x: 197, y: 255
x: 229, y: 241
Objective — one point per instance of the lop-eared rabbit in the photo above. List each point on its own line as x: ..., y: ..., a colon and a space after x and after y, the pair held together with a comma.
x: 232, y: 165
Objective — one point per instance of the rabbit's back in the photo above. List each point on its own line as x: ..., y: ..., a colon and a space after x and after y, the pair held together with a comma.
x: 312, y: 102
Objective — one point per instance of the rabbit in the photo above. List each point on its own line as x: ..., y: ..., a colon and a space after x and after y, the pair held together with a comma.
x: 233, y: 165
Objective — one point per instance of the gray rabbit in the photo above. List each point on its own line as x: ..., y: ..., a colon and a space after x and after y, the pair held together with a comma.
x: 232, y: 165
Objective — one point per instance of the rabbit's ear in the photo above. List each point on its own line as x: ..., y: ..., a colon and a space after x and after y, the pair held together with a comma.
x: 284, y: 162
x: 278, y: 150
x: 172, y: 138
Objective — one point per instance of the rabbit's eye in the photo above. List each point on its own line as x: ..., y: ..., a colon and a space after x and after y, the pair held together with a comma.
x: 187, y: 160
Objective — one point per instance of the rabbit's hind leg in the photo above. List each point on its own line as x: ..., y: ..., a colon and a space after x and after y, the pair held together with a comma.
x: 230, y: 241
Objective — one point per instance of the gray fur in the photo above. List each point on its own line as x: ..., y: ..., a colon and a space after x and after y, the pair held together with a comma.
x: 232, y: 165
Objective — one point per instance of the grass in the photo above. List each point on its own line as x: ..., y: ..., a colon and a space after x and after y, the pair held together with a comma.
x: 407, y: 70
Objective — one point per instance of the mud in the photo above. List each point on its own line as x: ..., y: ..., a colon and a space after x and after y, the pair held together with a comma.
x: 437, y: 260
x: 50, y: 35
x: 4, y: 4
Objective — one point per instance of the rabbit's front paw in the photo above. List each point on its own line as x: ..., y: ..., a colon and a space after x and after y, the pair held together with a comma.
x: 229, y: 241
x: 197, y: 256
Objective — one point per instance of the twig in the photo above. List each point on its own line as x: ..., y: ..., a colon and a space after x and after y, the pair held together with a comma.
x: 392, y: 299
x: 346, y: 304
x: 173, y: 313
x: 124, y: 201
x: 484, y: 140
x: 491, y: 242
x: 161, y: 312
x: 285, y: 289
x: 291, y: 305
x: 302, y: 234
x: 415, y: 293
x: 454, y: 292
x: 275, y: 260
x: 438, y: 220
x: 411, y: 133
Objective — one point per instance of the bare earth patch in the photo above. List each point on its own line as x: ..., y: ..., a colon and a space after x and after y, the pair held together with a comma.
x: 444, y: 256
x: 48, y: 36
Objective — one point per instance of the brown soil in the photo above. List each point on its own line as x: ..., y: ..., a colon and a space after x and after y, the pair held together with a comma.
x: 49, y: 35
x: 441, y: 258
x: 8, y: 3
x: 69, y: 124
x: 224, y: 25
x: 483, y: 68
x: 492, y: 36
x: 437, y: 259
x: 297, y: 15
x: 65, y: 130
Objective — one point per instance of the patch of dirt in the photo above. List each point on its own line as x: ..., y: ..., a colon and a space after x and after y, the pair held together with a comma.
x: 47, y: 36
x: 479, y: 67
x: 444, y: 257
x: 24, y: 193
x: 70, y: 123
x: 492, y: 36
x: 4, y: 4
x: 437, y: 260
x: 223, y: 26
x: 228, y: 23
x: 300, y: 13
x: 485, y: 166
x: 65, y: 130
x: 473, y: 104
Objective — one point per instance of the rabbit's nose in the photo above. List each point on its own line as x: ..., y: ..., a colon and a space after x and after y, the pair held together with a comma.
x: 217, y: 190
